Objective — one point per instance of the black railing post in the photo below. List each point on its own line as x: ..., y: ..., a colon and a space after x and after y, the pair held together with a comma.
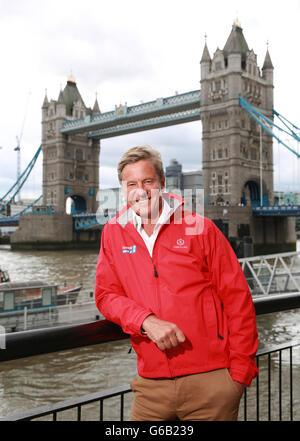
x: 291, y: 383
x: 280, y: 385
x: 245, y: 404
x: 101, y: 410
x: 79, y: 413
x: 269, y: 388
x: 257, y: 392
x: 122, y: 407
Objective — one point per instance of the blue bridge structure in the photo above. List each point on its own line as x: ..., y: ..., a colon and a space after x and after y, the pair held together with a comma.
x: 162, y: 112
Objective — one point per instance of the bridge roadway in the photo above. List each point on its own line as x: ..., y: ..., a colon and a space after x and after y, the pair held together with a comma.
x: 93, y: 220
x: 7, y: 221
x: 86, y: 221
x: 162, y: 112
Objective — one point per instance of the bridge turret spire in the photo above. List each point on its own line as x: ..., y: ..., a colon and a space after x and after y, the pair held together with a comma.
x: 205, y: 63
x: 268, y: 62
x: 236, y: 42
x: 96, y: 108
x: 268, y: 75
x: 46, y: 102
x: 61, y: 97
x: 205, y: 55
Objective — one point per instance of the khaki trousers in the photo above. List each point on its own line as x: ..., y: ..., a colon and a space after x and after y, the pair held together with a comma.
x: 209, y: 396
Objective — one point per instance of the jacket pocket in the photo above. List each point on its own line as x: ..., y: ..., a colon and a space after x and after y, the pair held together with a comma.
x: 238, y: 392
x: 219, y: 317
x: 214, y: 317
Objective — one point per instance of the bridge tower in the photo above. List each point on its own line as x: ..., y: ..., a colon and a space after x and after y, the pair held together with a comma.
x: 70, y: 163
x: 231, y: 138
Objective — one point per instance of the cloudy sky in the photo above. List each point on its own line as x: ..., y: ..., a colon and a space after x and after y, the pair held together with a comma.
x: 132, y: 51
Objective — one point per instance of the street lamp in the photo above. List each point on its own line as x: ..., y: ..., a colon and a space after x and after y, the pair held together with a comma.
x: 18, y: 150
x: 261, y: 164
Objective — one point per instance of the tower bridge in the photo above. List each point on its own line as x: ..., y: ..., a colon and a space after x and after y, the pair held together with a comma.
x: 235, y: 105
x: 162, y: 112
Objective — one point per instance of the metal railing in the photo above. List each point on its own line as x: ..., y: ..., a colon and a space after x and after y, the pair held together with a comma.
x: 77, y: 404
x: 272, y: 396
x: 272, y: 401
x: 40, y: 341
x: 272, y: 274
x: 48, y: 316
x: 277, y: 210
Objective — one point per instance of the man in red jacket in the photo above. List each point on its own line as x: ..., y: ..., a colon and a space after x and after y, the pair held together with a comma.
x: 171, y: 280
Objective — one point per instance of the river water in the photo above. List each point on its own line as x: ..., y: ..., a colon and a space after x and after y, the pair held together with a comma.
x: 45, y: 379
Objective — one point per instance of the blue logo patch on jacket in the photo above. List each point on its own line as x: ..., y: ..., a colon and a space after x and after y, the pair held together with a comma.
x: 129, y: 250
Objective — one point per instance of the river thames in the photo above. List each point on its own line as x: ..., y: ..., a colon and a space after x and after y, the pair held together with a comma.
x: 35, y: 381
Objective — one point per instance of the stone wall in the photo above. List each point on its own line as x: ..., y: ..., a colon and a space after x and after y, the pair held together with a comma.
x: 52, y: 232
x: 42, y: 228
x: 273, y: 234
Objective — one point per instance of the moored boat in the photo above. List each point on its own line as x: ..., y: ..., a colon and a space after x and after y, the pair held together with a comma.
x: 15, y: 296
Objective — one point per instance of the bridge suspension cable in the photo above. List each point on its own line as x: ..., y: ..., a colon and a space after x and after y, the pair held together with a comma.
x: 28, y: 206
x: 22, y: 211
x: 290, y: 123
x: 14, y: 190
x: 267, y: 124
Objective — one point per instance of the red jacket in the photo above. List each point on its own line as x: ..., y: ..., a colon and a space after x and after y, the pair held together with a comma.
x: 193, y: 280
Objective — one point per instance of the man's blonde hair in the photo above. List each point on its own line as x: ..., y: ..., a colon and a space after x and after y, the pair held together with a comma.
x: 139, y: 153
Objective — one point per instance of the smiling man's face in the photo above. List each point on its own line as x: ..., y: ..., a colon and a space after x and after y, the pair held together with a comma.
x: 142, y: 189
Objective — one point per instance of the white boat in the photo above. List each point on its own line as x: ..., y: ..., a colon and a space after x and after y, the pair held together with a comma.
x: 15, y: 296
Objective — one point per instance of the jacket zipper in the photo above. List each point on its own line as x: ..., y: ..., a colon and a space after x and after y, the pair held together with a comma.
x: 159, y: 309
x: 156, y: 276
x: 155, y: 273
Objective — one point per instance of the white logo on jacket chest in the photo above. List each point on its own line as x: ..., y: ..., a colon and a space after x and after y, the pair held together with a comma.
x: 180, y: 244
